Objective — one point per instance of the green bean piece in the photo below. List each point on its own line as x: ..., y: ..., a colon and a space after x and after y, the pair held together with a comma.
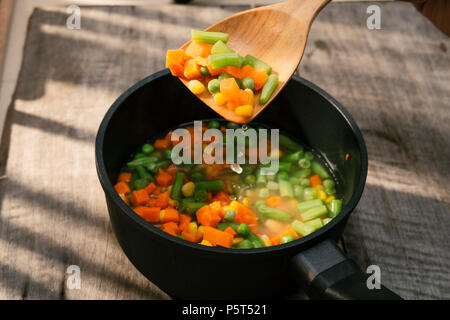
x: 168, y: 154
x: 248, y: 83
x: 314, y: 213
x: 221, y: 47
x: 175, y: 193
x: 245, y: 244
x: 264, y: 193
x: 209, y: 37
x: 223, y: 225
x: 239, y: 83
x: 288, y: 143
x: 304, y: 163
x: 214, y: 124
x: 306, y: 205
x: 309, y: 155
x: 315, y: 223
x: 250, y: 179
x: 223, y: 60
x: 328, y: 183
x: 294, y: 180
x: 204, y: 71
x: 140, y: 183
x: 229, y: 215
x: 256, y: 63
x: 286, y: 190
x: 139, y: 155
x: 326, y: 220
x: 268, y: 89
x: 335, y: 207
x: 261, y: 180
x: 243, y: 229
x: 309, y: 194
x: 142, y: 172
x: 142, y: 161
x: 318, y: 169
x: 232, y: 125
x: 197, y: 176
x: 200, y: 195
x: 214, y: 86
x: 224, y: 75
x: 190, y: 206
x: 305, y: 182
x: 284, y: 166
x: 303, y: 173
x: 302, y: 228
x: 298, y: 192
x: 210, y: 185
x: 268, y: 212
x: 282, y: 175
x: 147, y: 148
x: 287, y: 239
x: 293, y: 157
x: 272, y: 185
x: 255, y: 240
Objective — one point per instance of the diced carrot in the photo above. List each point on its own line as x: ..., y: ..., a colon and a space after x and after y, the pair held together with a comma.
x: 170, y: 215
x: 232, y: 105
x: 223, y: 197
x: 198, y: 49
x: 208, y: 218
x: 172, y: 170
x: 150, y: 188
x: 191, y: 70
x: 170, y: 227
x: 149, y: 214
x: 152, y: 202
x: 163, y: 178
x: 188, y: 236
x: 157, y: 191
x: 184, y: 222
x: 273, y: 201
x: 289, y: 232
x: 217, y: 237
x: 244, y: 97
x: 125, y: 177
x: 122, y: 187
x: 212, y: 71
x: 163, y: 200
x: 175, y: 61
x: 315, y: 180
x: 258, y: 75
x: 234, y: 71
x: 275, y: 240
x: 162, y: 144
x: 231, y: 231
x: 247, y: 71
x: 139, y: 197
x: 230, y: 89
x: 245, y: 215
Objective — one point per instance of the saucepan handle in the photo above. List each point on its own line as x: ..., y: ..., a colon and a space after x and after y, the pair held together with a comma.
x: 327, y: 273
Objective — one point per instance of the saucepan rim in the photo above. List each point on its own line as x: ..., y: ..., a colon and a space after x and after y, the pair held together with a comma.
x: 109, y: 190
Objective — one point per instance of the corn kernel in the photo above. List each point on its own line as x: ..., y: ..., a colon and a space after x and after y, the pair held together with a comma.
x: 237, y: 240
x: 244, y: 111
x: 173, y: 203
x: 206, y: 243
x: 161, y: 215
x: 200, y: 230
x: 246, y: 202
x: 192, y: 228
x: 252, y: 97
x: 196, y: 87
x: 265, y: 239
x: 188, y: 189
x: 322, y: 195
x: 219, y: 99
x: 328, y: 200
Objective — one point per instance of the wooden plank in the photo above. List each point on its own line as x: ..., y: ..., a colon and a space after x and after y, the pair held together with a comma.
x: 394, y: 81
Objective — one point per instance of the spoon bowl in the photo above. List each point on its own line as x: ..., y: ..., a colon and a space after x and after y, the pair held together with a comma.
x: 275, y: 34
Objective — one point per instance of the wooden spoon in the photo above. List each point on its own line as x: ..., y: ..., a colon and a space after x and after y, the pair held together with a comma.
x: 275, y: 34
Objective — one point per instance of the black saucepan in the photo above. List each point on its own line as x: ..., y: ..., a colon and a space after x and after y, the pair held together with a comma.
x: 191, y: 271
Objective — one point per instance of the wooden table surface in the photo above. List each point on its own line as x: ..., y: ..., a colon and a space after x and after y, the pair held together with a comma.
x: 395, y: 82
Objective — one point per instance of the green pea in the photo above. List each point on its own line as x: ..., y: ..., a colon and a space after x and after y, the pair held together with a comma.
x: 167, y: 154
x: 287, y: 239
x: 330, y: 191
x: 214, y: 86
x: 243, y: 229
x: 229, y: 215
x: 328, y: 183
x: 232, y: 125
x: 214, y: 124
x: 204, y: 71
x: 147, y: 148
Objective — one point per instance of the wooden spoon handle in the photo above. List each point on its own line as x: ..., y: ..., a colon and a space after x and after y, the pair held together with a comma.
x: 304, y: 10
